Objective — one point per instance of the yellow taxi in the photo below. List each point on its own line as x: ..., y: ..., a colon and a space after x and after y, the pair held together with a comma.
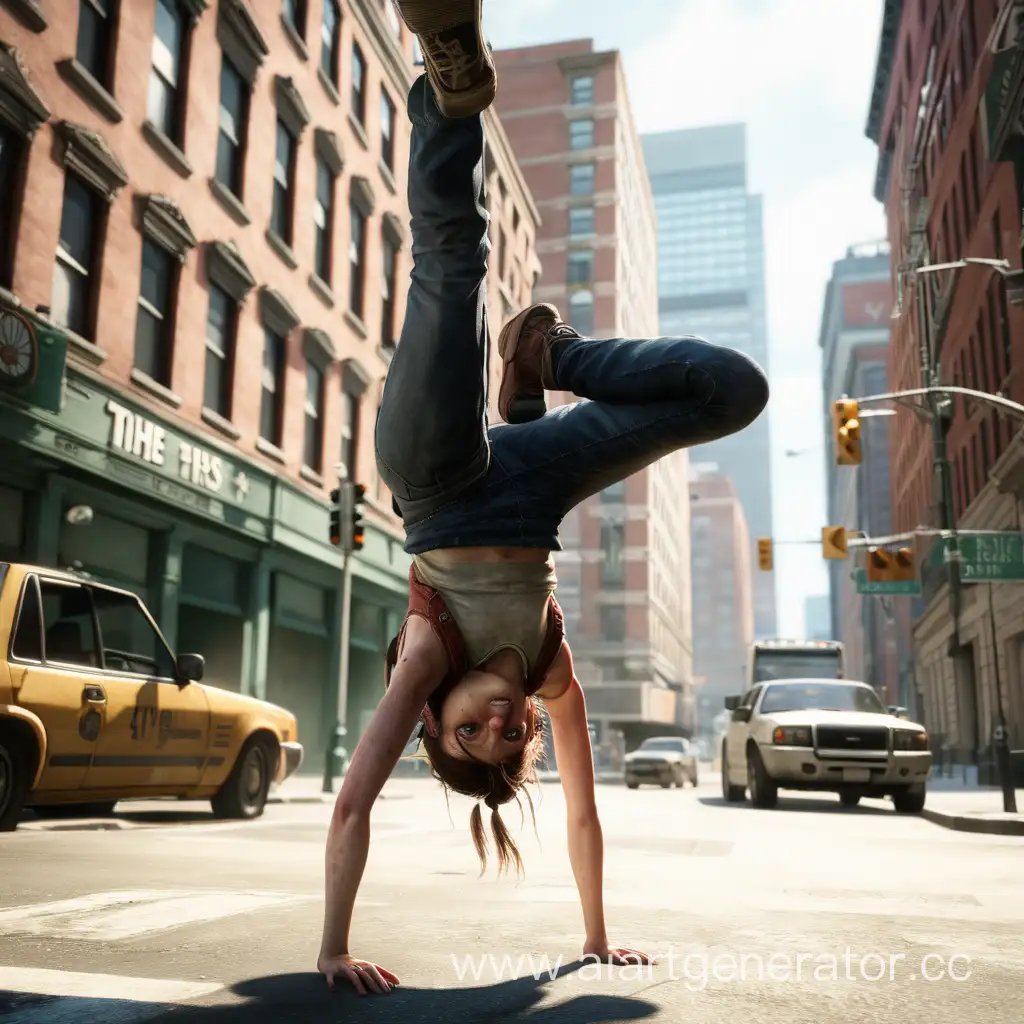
x: 94, y: 708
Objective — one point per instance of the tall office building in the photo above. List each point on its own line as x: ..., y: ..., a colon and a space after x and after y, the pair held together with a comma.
x: 711, y: 283
x: 624, y: 579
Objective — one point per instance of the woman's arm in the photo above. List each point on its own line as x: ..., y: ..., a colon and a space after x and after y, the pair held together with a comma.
x: 420, y: 669
x: 573, y: 753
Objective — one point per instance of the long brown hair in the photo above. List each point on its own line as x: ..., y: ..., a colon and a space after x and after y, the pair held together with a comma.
x: 490, y: 784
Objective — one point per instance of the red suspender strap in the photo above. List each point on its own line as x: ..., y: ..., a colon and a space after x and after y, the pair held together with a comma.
x: 550, y: 648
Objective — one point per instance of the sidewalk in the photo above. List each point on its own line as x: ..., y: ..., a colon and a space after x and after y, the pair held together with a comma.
x: 308, y: 789
x: 974, y: 809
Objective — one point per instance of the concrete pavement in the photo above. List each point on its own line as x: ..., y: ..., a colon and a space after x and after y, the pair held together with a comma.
x: 761, y: 916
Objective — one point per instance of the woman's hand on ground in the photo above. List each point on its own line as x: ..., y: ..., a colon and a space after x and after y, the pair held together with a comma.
x: 618, y: 956
x: 366, y: 977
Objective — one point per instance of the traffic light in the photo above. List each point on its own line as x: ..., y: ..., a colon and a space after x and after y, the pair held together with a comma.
x: 833, y: 542
x: 886, y: 566
x: 764, y: 554
x: 336, y: 517
x: 846, y: 429
x: 358, y: 526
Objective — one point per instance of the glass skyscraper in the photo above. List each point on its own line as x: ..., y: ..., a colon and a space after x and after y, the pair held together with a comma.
x: 711, y: 284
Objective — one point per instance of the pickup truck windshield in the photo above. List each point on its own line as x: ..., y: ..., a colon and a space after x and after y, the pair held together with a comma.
x: 824, y: 697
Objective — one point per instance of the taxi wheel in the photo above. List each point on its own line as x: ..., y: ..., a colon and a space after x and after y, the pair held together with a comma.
x: 244, y: 794
x: 14, y: 780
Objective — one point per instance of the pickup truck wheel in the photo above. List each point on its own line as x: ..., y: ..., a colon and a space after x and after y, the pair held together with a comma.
x: 677, y: 778
x: 764, y: 794
x: 730, y: 794
x: 694, y: 779
x: 909, y: 800
x: 14, y: 780
x: 630, y: 784
x: 849, y: 797
x: 244, y: 793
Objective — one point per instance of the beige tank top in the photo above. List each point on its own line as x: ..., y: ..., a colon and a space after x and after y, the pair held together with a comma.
x: 497, y: 606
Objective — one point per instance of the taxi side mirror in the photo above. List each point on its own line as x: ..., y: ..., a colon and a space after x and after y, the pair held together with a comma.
x: 189, y: 668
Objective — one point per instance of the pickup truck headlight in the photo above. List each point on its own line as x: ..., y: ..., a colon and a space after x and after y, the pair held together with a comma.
x: 909, y: 739
x: 793, y: 736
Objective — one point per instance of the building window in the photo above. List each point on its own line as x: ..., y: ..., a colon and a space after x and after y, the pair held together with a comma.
x: 387, y: 316
x: 581, y: 221
x: 581, y: 134
x: 330, y: 35
x: 272, y: 387
x: 581, y: 312
x: 153, y: 326
x: 613, y: 623
x: 613, y: 547
x: 74, y: 280
x: 323, y: 217
x: 10, y: 165
x: 614, y: 493
x: 165, y: 105
x: 387, y: 130
x: 95, y: 38
x: 580, y: 269
x: 581, y: 91
x: 234, y: 121
x: 284, y: 184
x: 358, y: 84
x: 221, y: 333
x: 312, y: 452
x: 581, y: 179
x: 294, y: 13
x: 350, y: 406
x: 357, y: 259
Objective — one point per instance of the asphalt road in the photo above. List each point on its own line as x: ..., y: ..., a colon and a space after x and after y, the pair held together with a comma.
x: 808, y: 913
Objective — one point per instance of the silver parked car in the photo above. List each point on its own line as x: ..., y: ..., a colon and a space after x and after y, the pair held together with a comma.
x: 666, y: 760
x: 832, y: 735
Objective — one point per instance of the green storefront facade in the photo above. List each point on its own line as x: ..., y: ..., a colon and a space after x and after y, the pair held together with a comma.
x: 233, y: 561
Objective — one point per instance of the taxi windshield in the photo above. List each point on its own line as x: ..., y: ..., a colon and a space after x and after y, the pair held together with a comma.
x: 820, y: 697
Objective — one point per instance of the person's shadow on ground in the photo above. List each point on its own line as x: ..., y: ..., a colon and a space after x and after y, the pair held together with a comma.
x: 279, y: 999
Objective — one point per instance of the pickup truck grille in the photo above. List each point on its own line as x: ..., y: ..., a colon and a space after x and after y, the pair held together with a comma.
x: 873, y: 738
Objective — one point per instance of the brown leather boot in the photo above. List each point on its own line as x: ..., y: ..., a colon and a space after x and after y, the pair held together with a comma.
x: 455, y: 53
x: 525, y: 348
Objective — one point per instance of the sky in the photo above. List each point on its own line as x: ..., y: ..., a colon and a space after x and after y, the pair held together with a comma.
x: 798, y: 73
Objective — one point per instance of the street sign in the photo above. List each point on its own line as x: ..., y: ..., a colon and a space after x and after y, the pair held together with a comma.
x: 997, y: 557
x: 905, y: 588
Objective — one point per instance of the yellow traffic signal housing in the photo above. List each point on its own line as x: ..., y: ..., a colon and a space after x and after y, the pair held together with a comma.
x: 846, y: 428
x: 879, y: 565
x: 764, y: 554
x: 903, y: 567
x: 833, y: 542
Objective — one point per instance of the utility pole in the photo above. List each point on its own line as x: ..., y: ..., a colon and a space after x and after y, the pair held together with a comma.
x: 342, y: 534
x: 1002, y: 738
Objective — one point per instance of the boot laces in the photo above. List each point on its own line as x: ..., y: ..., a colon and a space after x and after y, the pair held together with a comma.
x: 563, y: 330
x: 451, y: 60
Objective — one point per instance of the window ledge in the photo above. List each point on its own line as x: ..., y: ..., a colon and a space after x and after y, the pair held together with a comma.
x: 167, y: 149
x: 387, y: 176
x: 329, y: 87
x: 386, y: 353
x: 311, y: 476
x: 82, y: 81
x: 264, y: 447
x: 359, y: 131
x: 281, y: 247
x: 356, y: 323
x: 83, y: 348
x: 230, y: 201
x: 322, y: 289
x: 218, y: 422
x: 146, y: 383
x: 295, y: 39
x: 29, y: 13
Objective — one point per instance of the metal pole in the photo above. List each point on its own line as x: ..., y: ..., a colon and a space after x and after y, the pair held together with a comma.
x: 1002, y: 738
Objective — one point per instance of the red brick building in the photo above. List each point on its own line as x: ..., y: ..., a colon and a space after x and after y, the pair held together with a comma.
x: 945, y: 101
x: 206, y: 201
x: 624, y: 578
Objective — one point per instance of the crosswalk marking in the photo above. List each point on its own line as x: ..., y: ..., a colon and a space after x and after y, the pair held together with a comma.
x: 116, y: 916
x: 66, y: 997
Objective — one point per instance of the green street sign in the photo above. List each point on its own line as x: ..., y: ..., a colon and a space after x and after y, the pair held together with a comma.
x: 32, y: 360
x: 992, y: 558
x: 901, y: 588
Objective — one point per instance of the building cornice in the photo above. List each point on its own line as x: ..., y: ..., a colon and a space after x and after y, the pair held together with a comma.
x: 378, y: 32
x: 891, y: 18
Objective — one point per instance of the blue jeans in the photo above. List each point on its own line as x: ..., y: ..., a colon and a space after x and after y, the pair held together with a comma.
x: 457, y: 482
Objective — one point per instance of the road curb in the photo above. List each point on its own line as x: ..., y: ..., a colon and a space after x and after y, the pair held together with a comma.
x: 974, y: 823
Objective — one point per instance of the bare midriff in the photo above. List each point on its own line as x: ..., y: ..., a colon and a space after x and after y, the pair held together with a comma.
x: 455, y: 556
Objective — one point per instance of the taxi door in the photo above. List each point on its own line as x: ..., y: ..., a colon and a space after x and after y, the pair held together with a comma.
x: 54, y: 670
x: 158, y: 729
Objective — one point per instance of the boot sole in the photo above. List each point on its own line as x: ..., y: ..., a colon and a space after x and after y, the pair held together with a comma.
x: 521, y: 408
x: 445, y: 14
